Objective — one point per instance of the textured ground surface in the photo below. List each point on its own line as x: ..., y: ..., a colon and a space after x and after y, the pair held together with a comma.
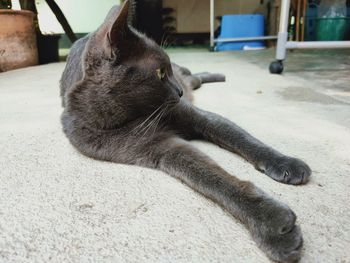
x: 57, y: 205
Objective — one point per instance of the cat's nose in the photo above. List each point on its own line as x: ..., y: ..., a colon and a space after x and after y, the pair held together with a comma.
x: 180, y: 92
x: 177, y: 88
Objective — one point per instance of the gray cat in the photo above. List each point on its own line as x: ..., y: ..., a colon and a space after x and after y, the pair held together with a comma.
x: 123, y: 103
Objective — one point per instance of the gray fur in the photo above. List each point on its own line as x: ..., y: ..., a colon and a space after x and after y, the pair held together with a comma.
x: 117, y: 109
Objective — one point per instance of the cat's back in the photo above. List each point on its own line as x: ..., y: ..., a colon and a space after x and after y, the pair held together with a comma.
x: 73, y: 71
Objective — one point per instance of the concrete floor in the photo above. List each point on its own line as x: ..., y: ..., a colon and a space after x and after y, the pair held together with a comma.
x: 59, y: 206
x: 326, y: 70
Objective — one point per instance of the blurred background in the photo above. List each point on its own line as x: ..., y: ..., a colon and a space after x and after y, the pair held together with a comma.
x: 184, y: 23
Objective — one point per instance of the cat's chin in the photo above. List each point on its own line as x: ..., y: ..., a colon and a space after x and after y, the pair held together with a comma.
x: 172, y: 102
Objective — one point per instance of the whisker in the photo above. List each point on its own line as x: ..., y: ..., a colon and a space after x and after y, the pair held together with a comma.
x: 147, y: 119
x: 169, y: 42
x: 155, y: 122
x: 151, y: 124
x: 161, y: 116
x: 144, y: 129
x: 162, y: 41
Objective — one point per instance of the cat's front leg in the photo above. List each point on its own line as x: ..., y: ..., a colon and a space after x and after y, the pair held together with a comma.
x: 271, y: 223
x: 221, y: 131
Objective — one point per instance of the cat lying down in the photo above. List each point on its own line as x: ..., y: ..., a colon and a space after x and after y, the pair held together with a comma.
x: 125, y: 102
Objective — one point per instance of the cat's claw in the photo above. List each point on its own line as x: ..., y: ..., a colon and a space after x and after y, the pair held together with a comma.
x: 288, y: 170
x: 276, y: 233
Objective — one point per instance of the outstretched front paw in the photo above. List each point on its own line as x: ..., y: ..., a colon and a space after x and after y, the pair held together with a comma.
x: 276, y: 233
x: 287, y: 170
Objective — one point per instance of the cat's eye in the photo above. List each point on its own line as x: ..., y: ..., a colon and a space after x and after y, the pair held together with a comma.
x: 160, y: 73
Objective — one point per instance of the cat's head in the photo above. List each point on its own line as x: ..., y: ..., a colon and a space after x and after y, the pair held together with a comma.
x: 125, y: 74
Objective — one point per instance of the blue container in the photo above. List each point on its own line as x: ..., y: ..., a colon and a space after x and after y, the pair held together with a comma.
x: 234, y: 26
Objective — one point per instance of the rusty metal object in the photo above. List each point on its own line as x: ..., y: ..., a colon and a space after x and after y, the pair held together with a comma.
x: 18, y: 46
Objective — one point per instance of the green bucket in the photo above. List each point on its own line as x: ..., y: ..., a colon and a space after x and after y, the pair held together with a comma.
x: 328, y: 29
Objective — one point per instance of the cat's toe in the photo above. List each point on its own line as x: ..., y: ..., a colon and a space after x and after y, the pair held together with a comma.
x: 289, y: 171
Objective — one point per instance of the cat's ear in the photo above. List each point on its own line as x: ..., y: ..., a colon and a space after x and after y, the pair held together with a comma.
x: 117, y: 21
x: 113, y: 35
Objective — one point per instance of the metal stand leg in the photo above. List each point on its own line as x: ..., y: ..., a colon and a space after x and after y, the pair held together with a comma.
x: 283, y: 44
x: 212, y: 25
x: 276, y: 67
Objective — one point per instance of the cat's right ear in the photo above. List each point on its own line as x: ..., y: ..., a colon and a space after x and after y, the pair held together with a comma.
x: 112, y: 36
x: 116, y: 29
x: 118, y: 24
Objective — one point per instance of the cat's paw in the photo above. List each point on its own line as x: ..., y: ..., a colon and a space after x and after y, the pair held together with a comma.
x: 276, y: 234
x: 288, y: 170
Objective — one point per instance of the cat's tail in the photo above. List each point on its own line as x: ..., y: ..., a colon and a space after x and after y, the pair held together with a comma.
x: 206, y: 77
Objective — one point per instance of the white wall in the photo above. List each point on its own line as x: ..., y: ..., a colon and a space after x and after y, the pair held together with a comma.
x: 83, y: 15
x: 193, y: 15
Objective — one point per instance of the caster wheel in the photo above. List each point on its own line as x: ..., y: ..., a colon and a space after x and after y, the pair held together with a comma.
x: 276, y: 67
